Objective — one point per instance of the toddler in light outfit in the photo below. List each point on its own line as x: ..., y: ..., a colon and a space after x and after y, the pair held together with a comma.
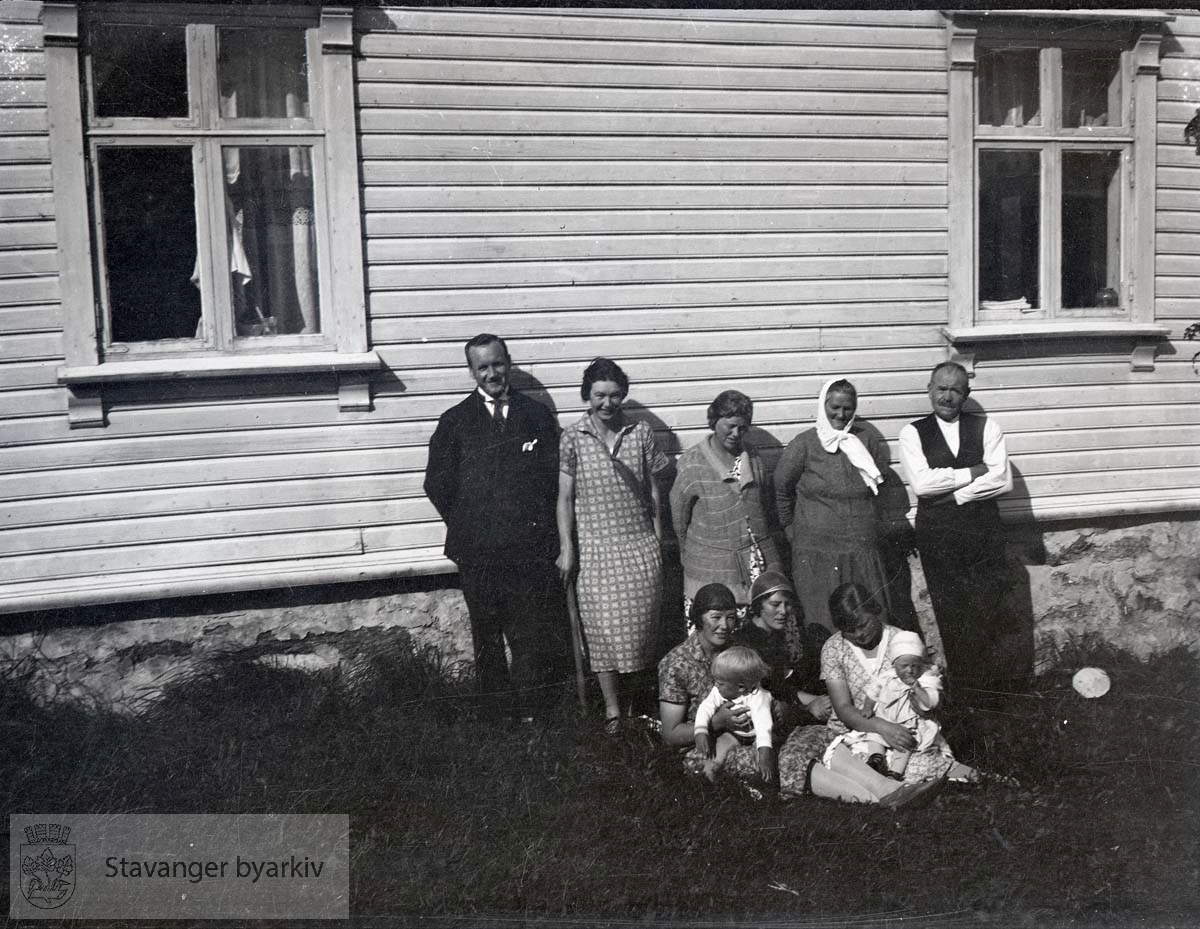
x: 906, y: 693
x: 738, y: 673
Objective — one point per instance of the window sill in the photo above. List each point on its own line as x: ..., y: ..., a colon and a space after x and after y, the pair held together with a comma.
x: 85, y: 407
x: 1145, y: 337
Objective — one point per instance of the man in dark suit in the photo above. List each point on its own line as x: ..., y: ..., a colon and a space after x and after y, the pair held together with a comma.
x: 958, y: 465
x: 493, y: 476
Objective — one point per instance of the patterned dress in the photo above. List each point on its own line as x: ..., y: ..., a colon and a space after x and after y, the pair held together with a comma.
x: 831, y: 518
x: 620, y: 561
x: 721, y: 520
x: 685, y: 678
x: 841, y: 661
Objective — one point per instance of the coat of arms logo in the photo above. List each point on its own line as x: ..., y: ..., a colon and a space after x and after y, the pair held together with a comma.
x: 47, y: 863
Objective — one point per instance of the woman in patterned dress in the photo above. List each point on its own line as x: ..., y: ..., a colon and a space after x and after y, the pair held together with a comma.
x: 853, y: 661
x: 718, y: 504
x: 608, y: 496
x: 685, y: 679
x: 826, y: 484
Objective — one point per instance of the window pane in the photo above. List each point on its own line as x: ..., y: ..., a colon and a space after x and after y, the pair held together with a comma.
x: 1091, y: 229
x: 1091, y: 88
x: 147, y: 204
x: 139, y: 71
x: 1009, y: 218
x: 263, y: 73
x: 272, y: 240
x: 1009, y: 94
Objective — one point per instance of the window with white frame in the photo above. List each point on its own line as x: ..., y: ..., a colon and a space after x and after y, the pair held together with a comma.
x: 1052, y: 167
x: 206, y: 157
x: 219, y: 181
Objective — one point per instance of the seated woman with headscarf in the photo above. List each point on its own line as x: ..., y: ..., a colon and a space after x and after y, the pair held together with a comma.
x: 826, y: 484
x: 685, y: 680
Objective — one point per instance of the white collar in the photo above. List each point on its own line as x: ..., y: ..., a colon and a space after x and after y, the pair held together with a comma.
x: 503, y: 399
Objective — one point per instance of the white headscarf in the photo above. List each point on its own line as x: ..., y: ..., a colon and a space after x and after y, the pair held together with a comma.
x: 833, y: 441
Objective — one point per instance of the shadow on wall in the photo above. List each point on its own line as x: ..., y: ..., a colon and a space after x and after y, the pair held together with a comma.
x: 530, y: 386
x: 672, y: 622
x: 1016, y: 652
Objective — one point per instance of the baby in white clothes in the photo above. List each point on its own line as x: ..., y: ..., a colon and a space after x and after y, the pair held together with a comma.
x: 738, y: 673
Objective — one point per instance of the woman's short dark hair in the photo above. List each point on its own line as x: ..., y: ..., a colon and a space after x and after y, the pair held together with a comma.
x: 730, y: 403
x: 849, y: 603
x: 603, y: 369
x: 710, y: 597
x: 842, y: 387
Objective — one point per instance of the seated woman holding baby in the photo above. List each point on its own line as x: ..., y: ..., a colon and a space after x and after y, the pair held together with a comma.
x: 884, y: 692
x: 787, y: 760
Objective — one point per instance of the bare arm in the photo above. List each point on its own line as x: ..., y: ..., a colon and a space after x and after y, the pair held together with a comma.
x: 677, y: 731
x: 656, y: 503
x: 565, y: 516
x: 843, y: 704
x: 818, y: 707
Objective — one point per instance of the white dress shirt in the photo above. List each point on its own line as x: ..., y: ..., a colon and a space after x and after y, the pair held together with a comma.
x: 491, y: 403
x: 929, y: 482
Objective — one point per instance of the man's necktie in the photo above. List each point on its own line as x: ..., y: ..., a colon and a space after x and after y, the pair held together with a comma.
x: 497, y: 416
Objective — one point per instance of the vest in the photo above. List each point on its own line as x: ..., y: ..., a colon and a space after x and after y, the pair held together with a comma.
x: 937, y: 454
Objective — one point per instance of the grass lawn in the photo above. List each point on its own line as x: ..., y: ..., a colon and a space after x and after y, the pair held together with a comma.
x: 467, y: 822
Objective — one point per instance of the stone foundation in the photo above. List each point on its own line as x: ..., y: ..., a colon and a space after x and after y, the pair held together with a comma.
x: 1131, y: 582
x: 123, y: 656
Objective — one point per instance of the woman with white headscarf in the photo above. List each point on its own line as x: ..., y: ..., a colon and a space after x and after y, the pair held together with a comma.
x: 826, y: 488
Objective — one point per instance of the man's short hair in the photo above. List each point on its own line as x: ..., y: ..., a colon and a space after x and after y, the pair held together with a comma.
x: 949, y: 366
x: 485, y: 338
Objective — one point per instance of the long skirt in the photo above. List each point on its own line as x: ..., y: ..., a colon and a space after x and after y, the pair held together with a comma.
x: 620, y: 598
x: 817, y: 573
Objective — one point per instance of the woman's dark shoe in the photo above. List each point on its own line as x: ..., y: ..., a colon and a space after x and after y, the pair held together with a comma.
x: 878, y: 764
x: 914, y: 796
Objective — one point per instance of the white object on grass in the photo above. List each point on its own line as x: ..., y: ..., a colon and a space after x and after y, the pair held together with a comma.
x: 1091, y: 682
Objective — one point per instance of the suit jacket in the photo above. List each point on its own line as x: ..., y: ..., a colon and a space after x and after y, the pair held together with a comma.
x: 496, y: 491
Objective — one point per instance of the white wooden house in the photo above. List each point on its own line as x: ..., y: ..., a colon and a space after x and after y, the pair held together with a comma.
x: 241, y: 247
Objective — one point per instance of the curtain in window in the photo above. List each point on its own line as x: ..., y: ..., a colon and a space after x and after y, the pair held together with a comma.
x: 269, y: 189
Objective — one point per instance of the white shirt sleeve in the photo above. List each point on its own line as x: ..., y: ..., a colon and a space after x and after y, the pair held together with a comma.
x: 708, y: 706
x: 998, y: 479
x: 759, y: 703
x: 929, y: 482
x: 931, y: 682
x: 924, y: 480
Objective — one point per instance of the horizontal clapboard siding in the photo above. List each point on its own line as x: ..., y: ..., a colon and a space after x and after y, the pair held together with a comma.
x: 1177, y: 254
x: 722, y: 198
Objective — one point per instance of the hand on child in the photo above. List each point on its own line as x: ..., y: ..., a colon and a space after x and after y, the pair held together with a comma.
x: 730, y: 718
x: 897, y: 736
x: 819, y: 708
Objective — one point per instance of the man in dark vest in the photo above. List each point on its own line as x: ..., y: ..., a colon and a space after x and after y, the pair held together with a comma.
x: 492, y: 474
x: 958, y: 465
